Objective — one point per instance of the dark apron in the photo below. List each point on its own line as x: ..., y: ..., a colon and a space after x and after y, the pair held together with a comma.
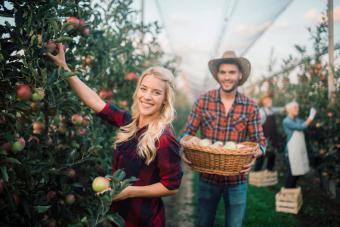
x: 270, y: 131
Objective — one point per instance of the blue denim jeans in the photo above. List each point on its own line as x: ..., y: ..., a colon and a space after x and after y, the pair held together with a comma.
x: 209, y: 195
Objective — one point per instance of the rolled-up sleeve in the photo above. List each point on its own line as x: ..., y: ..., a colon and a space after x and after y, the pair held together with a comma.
x: 194, y: 119
x: 291, y: 124
x: 114, y: 115
x: 169, y: 162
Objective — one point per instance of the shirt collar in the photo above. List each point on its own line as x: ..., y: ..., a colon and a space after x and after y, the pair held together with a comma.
x: 238, y: 97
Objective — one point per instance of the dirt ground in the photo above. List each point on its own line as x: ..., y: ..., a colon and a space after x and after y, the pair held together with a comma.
x: 179, y: 208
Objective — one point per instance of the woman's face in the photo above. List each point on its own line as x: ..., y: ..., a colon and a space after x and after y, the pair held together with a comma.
x: 293, y: 110
x: 150, y: 96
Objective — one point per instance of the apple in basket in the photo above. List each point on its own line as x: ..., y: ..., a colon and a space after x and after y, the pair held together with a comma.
x: 205, y: 142
x: 240, y: 146
x: 218, y: 144
x: 194, y: 139
x: 230, y: 145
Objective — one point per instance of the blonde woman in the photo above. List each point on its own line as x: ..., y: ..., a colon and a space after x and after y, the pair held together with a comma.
x: 145, y: 145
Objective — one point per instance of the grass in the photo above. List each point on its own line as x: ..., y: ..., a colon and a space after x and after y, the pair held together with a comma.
x: 260, y: 209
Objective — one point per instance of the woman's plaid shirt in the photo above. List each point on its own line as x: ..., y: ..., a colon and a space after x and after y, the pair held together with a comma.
x: 242, y: 123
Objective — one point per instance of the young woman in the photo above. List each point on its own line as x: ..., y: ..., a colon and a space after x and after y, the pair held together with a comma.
x: 145, y: 145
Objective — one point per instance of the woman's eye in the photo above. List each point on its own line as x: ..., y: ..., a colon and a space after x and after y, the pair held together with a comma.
x: 143, y: 88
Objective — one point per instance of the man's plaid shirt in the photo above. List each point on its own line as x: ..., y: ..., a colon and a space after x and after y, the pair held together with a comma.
x: 242, y: 123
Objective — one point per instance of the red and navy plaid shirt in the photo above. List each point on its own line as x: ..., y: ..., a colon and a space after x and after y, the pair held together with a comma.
x: 165, y: 168
x: 242, y: 123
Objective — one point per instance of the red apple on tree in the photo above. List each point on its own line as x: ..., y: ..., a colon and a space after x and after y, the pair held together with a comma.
x: 86, y: 31
x: 23, y: 92
x: 105, y: 94
x: 74, y: 23
x: 86, y: 121
x: 130, y: 76
x: 70, y: 199
x: 88, y: 60
x: 71, y: 173
x: 6, y: 147
x: 81, y: 131
x: 123, y: 103
x: 38, y: 127
x: 51, y: 195
x: 51, y: 46
x: 77, y: 119
x: 100, y: 184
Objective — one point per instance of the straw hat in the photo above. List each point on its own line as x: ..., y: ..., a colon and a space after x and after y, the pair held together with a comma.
x: 231, y: 56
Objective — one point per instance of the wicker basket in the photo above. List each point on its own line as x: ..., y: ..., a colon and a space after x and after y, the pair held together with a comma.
x: 218, y: 160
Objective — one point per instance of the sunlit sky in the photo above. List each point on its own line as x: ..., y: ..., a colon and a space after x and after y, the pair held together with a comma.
x: 197, y: 30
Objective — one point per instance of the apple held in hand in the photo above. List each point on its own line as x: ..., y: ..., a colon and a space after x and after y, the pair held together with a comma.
x: 100, y: 184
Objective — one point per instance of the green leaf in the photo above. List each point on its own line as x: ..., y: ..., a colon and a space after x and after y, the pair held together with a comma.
x: 4, y: 173
x: 115, y: 218
x: 119, y: 175
x: 11, y: 160
x: 64, y: 39
x: 42, y: 209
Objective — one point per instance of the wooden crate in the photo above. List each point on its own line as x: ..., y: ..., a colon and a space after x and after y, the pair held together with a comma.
x: 263, y: 178
x: 289, y: 200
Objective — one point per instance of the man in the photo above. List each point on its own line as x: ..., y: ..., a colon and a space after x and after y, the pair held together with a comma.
x: 225, y: 115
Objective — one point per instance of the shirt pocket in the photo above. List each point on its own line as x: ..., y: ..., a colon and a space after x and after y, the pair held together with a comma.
x: 208, y: 119
x: 240, y: 122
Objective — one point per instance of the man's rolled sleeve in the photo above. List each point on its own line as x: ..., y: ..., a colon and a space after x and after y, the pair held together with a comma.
x: 194, y: 119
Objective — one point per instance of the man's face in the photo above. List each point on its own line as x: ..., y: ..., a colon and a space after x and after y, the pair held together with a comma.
x: 228, y: 77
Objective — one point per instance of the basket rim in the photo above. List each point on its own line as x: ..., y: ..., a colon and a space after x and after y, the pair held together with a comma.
x: 249, y: 149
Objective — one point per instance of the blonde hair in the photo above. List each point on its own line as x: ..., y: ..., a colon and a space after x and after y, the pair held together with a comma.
x: 146, y: 146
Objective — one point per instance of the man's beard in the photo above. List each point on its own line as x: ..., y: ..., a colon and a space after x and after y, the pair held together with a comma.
x: 233, y: 88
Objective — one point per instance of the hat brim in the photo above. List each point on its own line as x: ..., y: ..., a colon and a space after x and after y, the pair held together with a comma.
x: 243, y: 62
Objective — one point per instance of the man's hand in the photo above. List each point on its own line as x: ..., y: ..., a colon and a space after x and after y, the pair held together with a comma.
x: 186, y: 160
x: 246, y: 168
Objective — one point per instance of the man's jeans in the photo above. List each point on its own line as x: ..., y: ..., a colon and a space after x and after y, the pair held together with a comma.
x: 209, y: 195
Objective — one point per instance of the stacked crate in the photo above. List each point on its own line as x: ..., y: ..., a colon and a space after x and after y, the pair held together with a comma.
x: 289, y: 200
x: 263, y: 178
